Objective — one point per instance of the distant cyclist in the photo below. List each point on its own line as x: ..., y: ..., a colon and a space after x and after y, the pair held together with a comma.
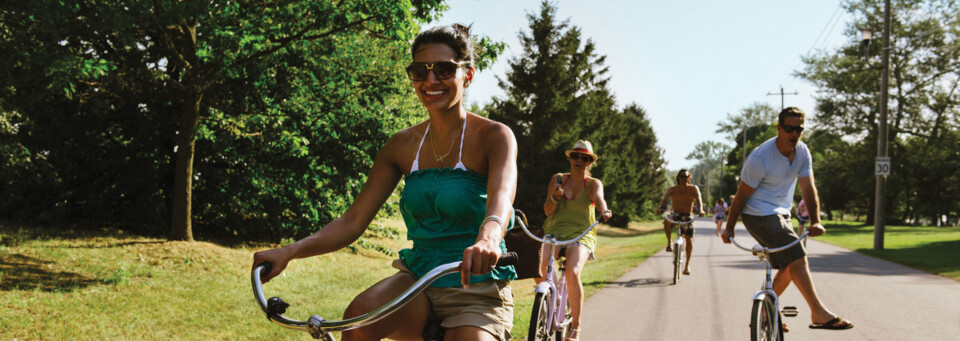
x: 803, y: 216
x: 683, y: 196
x: 719, y: 214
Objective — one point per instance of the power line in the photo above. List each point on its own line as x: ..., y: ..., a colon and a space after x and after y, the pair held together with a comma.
x: 782, y: 94
x: 824, y: 34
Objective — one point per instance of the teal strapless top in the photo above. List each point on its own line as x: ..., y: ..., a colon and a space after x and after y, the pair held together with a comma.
x: 442, y: 209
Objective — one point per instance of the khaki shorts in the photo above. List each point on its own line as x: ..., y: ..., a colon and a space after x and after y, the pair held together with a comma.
x: 487, y: 305
x: 774, y: 231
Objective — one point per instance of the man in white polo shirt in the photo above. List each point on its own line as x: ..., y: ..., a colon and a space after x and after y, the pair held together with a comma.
x: 764, y: 198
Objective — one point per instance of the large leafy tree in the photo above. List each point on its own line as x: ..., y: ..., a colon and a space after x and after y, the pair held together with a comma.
x: 710, y: 158
x: 556, y: 94
x: 270, y: 112
x: 924, y: 97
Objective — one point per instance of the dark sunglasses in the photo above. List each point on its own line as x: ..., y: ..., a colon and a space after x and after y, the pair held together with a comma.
x: 581, y: 157
x: 792, y: 129
x: 417, y: 71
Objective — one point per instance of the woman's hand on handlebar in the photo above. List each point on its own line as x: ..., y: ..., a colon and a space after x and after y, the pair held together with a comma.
x: 278, y: 259
x: 606, y: 215
x: 478, y: 259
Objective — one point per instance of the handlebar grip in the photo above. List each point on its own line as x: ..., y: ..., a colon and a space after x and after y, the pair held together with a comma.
x: 509, y: 258
x: 267, y: 267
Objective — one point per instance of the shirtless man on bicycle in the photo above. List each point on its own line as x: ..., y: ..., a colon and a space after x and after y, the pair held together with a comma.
x: 683, y: 196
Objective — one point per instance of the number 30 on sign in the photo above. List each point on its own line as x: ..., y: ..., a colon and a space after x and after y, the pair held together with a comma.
x: 883, y: 165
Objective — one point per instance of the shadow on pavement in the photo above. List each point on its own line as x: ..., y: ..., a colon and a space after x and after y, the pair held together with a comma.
x: 838, y: 263
x: 633, y: 283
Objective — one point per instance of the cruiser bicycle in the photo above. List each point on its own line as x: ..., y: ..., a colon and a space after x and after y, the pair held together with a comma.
x: 765, y: 321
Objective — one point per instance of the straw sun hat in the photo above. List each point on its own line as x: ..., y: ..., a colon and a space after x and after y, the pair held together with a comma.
x: 583, y: 147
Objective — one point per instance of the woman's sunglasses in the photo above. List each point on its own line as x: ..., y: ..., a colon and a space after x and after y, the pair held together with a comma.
x: 580, y: 157
x: 417, y: 71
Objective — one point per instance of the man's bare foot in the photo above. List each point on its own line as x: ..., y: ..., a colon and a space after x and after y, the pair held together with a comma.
x: 669, y: 248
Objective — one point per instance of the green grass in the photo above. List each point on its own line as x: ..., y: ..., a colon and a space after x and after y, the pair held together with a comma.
x: 932, y: 249
x: 106, y: 284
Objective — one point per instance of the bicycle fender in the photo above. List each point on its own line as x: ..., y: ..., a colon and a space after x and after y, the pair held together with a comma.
x: 543, y: 288
x: 760, y: 295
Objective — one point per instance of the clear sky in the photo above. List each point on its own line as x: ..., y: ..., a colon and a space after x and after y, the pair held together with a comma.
x: 688, y: 63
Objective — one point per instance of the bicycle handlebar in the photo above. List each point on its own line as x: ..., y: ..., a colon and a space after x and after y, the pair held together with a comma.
x: 523, y: 225
x: 317, y: 326
x: 666, y: 216
x: 759, y: 248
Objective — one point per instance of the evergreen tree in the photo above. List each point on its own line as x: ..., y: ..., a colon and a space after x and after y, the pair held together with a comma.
x: 557, y: 94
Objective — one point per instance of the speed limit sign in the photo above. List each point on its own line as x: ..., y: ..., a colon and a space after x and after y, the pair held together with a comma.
x: 883, y: 165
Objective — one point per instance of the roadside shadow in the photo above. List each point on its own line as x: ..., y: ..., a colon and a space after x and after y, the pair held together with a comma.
x: 19, y: 272
x: 844, y: 263
x: 633, y: 283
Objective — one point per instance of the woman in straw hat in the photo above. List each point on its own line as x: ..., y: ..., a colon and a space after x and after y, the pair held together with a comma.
x: 460, y: 173
x: 571, y: 200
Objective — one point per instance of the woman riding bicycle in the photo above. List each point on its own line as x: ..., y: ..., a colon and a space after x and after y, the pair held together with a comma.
x: 571, y: 199
x: 460, y: 177
x: 803, y: 216
x: 719, y: 214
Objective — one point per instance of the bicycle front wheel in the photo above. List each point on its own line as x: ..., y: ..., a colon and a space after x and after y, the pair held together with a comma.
x: 540, y: 318
x: 763, y: 319
x: 677, y: 261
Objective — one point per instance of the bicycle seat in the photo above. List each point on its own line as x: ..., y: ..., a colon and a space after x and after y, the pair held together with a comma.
x: 433, y: 331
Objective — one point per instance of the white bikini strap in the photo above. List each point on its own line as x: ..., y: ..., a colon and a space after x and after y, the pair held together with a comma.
x: 463, y: 131
x: 416, y: 160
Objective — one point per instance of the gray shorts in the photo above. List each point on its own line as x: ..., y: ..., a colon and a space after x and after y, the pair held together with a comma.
x: 772, y: 231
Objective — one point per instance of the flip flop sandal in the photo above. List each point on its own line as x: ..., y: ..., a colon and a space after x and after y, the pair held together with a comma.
x: 837, y: 323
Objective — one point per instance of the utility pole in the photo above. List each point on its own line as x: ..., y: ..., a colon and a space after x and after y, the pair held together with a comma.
x: 878, y: 216
x: 781, y: 95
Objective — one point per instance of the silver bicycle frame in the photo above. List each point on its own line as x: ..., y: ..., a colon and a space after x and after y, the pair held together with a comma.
x: 767, y: 290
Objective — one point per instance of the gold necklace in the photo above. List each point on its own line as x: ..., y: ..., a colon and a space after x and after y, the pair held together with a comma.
x: 434, y: 148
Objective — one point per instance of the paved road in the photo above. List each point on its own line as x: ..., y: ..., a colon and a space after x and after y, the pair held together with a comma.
x: 886, y: 301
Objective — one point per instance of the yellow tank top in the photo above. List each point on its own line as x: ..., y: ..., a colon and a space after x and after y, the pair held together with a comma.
x: 571, y: 218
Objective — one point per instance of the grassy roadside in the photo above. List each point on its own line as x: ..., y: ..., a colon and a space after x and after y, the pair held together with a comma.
x: 932, y: 249
x: 106, y: 284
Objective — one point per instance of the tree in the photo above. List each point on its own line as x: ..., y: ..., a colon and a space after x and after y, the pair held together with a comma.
x: 709, y: 156
x: 747, y: 129
x: 632, y: 164
x: 273, y: 110
x: 556, y: 94
x: 924, y: 94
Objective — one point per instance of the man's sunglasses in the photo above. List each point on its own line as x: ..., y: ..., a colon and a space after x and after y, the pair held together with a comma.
x: 792, y: 129
x: 581, y: 157
x: 417, y: 71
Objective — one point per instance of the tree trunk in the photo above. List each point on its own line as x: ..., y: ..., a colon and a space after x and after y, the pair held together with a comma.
x: 181, y: 227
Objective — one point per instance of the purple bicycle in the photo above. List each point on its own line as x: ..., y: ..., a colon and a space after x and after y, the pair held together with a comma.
x: 550, y: 316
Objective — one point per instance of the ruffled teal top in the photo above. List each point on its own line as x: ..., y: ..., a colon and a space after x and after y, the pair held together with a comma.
x: 442, y: 209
